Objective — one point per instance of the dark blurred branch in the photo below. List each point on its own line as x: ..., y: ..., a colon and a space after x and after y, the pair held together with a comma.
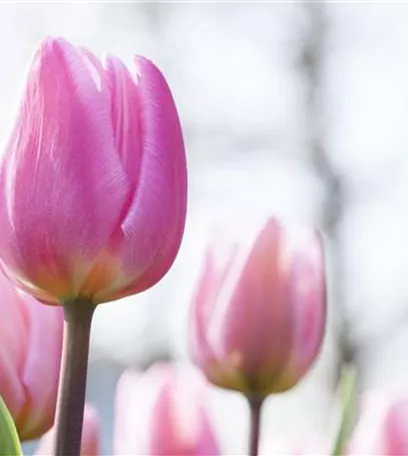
x: 312, y: 60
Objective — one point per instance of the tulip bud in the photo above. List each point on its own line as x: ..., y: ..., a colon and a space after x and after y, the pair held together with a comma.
x: 93, y: 178
x: 162, y: 412
x: 30, y: 354
x: 90, y: 436
x: 382, y: 428
x: 258, y: 316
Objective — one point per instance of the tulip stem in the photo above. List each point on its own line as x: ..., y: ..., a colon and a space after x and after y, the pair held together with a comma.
x: 255, y: 407
x: 72, y: 387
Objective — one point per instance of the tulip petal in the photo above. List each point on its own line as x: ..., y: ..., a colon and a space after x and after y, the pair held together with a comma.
x: 255, y: 313
x: 203, y: 307
x: 306, y: 285
x: 125, y: 118
x: 154, y: 224
x: 396, y: 428
x: 90, y: 434
x: 60, y: 175
x: 179, y: 423
x: 382, y: 426
x: 161, y: 412
x: 40, y: 376
x: 13, y: 345
x: 125, y: 439
x: 28, y: 380
x: 202, y: 315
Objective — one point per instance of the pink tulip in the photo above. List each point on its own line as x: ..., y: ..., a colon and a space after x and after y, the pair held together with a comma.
x: 162, y: 412
x: 382, y: 428
x: 90, y: 436
x: 93, y: 179
x: 258, y: 316
x: 30, y: 352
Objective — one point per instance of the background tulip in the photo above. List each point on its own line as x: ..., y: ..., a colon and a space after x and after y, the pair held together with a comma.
x: 162, y: 412
x: 258, y: 316
x: 307, y: 445
x: 30, y: 353
x: 90, y: 436
x: 382, y: 428
x: 93, y: 179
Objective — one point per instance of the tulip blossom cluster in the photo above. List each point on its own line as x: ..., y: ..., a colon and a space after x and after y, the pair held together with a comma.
x: 152, y: 418
x: 93, y: 191
x: 160, y: 412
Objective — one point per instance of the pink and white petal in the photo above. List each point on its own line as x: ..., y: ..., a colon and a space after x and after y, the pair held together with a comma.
x: 128, y: 402
x: 255, y: 311
x: 186, y: 396
x: 200, y: 315
x: 161, y: 412
x: 126, y: 120
x: 162, y: 438
x: 178, y: 422
x: 154, y: 225
x: 13, y: 346
x: 396, y: 428
x: 307, y: 291
x: 40, y: 375
x: 91, y: 432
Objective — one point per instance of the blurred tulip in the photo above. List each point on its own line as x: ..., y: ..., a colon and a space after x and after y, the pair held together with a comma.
x: 313, y: 445
x: 258, y: 316
x: 382, y: 428
x: 162, y: 412
x: 30, y: 353
x: 90, y: 436
x: 93, y: 179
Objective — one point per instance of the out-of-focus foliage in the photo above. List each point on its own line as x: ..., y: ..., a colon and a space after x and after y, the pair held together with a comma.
x: 9, y: 442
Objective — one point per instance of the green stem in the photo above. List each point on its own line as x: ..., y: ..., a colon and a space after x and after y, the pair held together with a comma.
x: 255, y: 406
x: 348, y: 384
x: 71, y: 396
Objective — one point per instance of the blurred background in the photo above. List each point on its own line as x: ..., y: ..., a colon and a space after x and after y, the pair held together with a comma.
x: 296, y: 109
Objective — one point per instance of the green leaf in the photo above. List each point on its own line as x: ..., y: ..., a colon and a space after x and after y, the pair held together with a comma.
x: 9, y: 442
x: 348, y: 385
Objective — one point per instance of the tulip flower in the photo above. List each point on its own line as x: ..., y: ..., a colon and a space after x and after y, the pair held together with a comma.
x: 30, y: 354
x: 382, y: 428
x: 93, y: 178
x: 162, y: 412
x: 258, y: 315
x: 90, y: 436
